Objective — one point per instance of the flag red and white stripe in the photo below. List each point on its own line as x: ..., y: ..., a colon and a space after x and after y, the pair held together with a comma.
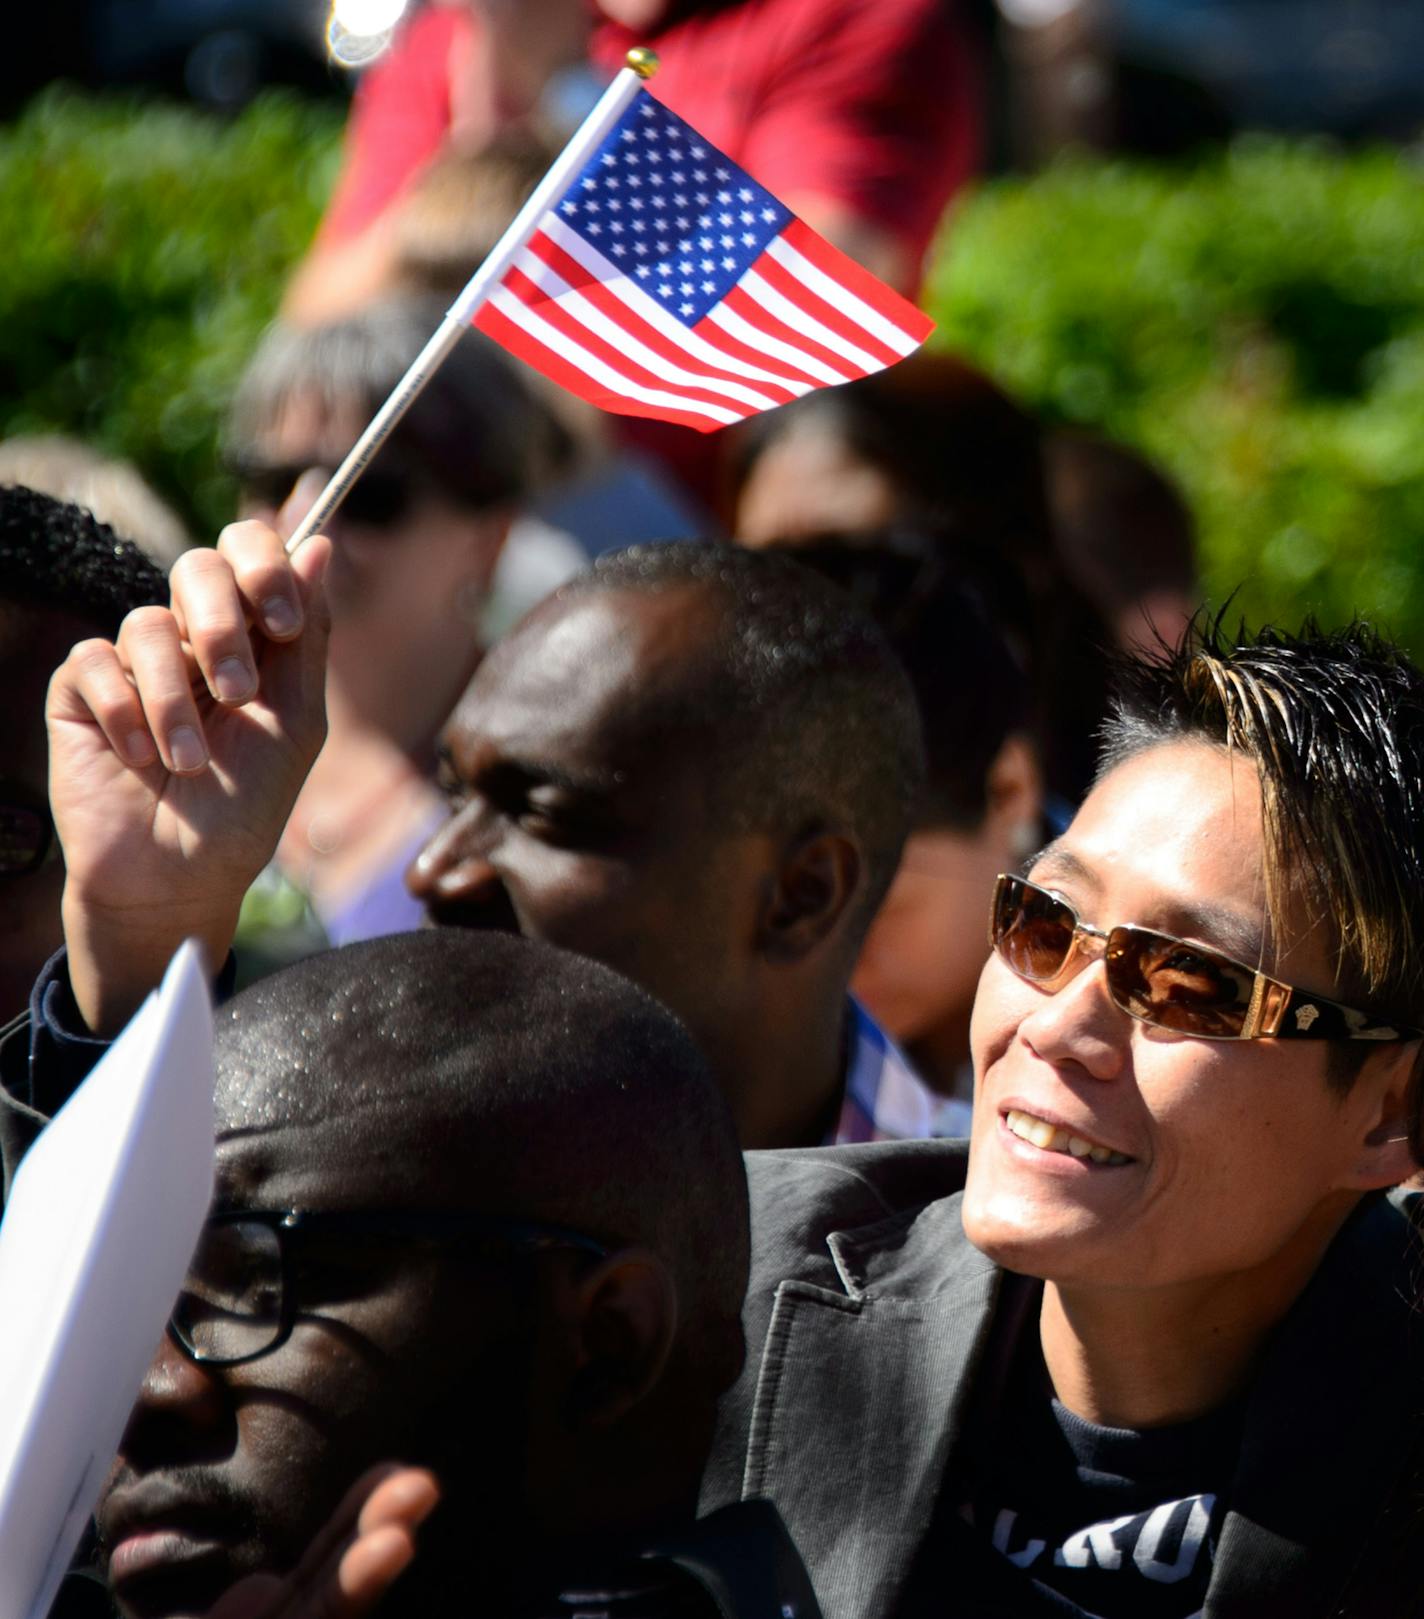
x: 649, y: 274
x: 663, y: 281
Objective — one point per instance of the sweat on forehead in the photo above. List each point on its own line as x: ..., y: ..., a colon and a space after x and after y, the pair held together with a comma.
x: 449, y: 1037
x: 501, y: 1073
x: 438, y: 1024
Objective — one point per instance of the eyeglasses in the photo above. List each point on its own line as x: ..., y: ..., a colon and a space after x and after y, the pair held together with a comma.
x: 27, y: 839
x: 380, y: 498
x: 239, y: 1301
x: 1169, y: 982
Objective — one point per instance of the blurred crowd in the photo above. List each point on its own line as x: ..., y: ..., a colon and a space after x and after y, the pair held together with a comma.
x: 607, y: 797
x: 1048, y: 547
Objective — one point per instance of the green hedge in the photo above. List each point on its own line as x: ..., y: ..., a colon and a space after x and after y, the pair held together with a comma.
x: 1254, y: 322
x: 146, y: 249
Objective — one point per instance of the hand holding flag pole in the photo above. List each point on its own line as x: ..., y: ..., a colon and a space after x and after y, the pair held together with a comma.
x: 650, y: 275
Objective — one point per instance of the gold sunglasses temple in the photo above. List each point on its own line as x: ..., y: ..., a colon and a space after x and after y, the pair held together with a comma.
x: 1269, y: 1001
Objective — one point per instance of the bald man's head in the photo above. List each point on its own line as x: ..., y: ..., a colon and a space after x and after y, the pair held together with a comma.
x: 802, y: 712
x: 480, y: 1209
x: 678, y: 693
x: 497, y: 1074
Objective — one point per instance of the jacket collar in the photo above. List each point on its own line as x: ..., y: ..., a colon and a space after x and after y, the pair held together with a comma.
x: 859, y: 1394
x: 863, y: 1391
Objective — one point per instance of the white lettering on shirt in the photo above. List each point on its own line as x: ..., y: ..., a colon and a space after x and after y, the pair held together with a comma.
x: 1094, y: 1545
x: 1144, y: 1554
x: 1003, y: 1529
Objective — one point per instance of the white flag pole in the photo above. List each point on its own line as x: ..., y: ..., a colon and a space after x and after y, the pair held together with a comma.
x: 613, y: 103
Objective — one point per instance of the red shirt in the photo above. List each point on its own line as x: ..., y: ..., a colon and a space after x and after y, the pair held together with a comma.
x: 399, y: 118
x: 868, y: 103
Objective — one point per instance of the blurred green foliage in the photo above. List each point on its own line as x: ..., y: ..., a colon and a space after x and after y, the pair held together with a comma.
x: 1255, y: 323
x: 148, y: 248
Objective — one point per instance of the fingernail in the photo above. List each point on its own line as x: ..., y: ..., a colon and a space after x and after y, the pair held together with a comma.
x: 139, y: 748
x: 279, y: 616
x: 423, y: 865
x: 185, y: 748
x: 233, y: 681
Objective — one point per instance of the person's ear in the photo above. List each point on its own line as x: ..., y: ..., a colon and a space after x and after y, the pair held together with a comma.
x: 1389, y: 1082
x: 484, y: 541
x: 625, y: 1320
x: 817, y: 882
x: 1014, y: 789
x: 494, y: 527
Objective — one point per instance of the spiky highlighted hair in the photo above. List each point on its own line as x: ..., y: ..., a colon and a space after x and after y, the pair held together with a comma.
x: 1334, y: 722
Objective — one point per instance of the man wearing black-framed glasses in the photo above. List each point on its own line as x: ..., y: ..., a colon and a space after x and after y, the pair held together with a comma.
x: 479, y: 1210
x: 1150, y: 1350
x: 243, y: 1292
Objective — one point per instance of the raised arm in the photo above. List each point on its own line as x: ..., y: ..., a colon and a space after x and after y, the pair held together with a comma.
x: 176, y: 753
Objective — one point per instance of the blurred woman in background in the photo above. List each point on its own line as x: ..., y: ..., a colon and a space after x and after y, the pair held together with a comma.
x: 415, y: 549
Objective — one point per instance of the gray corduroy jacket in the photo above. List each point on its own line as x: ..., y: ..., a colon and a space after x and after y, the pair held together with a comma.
x: 868, y: 1319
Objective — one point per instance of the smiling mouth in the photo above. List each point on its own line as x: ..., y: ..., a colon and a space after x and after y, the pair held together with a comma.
x: 1053, y: 1138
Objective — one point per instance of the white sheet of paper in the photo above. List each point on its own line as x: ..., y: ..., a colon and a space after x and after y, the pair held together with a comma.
x: 103, y: 1218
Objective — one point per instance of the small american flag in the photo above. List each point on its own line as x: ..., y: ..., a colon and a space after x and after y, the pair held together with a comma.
x: 666, y: 282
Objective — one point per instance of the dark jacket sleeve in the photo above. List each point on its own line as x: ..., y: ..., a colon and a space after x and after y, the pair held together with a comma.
x: 46, y: 1054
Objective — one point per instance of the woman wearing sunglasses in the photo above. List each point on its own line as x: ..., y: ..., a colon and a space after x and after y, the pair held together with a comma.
x: 414, y: 553
x: 1161, y: 1355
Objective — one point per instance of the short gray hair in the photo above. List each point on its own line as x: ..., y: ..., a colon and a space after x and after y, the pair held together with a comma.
x: 477, y: 428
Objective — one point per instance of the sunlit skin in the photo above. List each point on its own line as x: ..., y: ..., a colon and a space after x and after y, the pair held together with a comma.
x: 585, y: 815
x: 922, y: 956
x: 640, y: 15
x: 1165, y: 1273
x: 807, y: 483
x: 576, y: 824
x: 406, y: 600
x: 392, y: 588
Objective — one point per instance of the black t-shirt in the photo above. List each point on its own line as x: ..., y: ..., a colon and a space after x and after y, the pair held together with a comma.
x: 1103, y: 1522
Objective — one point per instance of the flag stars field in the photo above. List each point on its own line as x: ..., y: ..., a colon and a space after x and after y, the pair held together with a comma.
x: 612, y: 171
